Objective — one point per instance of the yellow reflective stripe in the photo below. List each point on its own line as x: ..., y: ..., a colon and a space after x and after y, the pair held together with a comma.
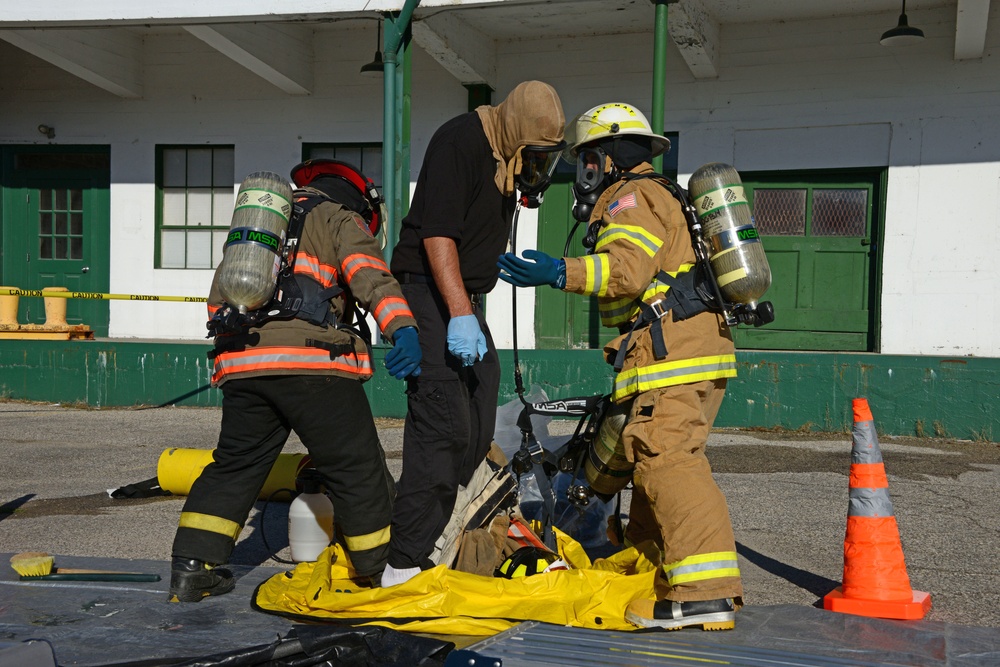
x: 702, y: 566
x: 670, y: 373
x: 617, y: 312
x: 369, y: 541
x: 736, y: 274
x: 210, y: 524
x: 598, y: 127
x: 598, y: 273
x: 631, y: 233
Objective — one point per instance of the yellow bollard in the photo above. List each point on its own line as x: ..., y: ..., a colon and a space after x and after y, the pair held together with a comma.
x: 178, y: 468
x: 55, y: 309
x: 8, y: 309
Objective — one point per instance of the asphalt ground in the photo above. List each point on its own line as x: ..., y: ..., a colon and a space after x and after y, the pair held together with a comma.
x: 787, y: 495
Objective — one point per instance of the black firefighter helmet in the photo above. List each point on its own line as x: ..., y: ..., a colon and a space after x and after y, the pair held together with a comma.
x: 527, y: 561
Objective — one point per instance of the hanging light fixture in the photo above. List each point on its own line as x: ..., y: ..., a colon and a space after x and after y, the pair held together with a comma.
x: 902, y: 34
x: 376, y: 66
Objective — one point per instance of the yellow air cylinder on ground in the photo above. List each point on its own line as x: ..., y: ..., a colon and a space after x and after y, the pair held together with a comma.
x: 178, y: 468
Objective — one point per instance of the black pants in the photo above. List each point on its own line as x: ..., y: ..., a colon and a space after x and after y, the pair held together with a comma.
x: 451, y: 414
x: 332, y: 417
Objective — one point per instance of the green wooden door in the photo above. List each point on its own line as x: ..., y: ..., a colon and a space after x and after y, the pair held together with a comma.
x: 56, y: 221
x: 818, y: 231
x: 564, y: 320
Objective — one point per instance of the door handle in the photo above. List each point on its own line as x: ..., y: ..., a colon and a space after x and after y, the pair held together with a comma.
x: 866, y: 242
x: 85, y: 269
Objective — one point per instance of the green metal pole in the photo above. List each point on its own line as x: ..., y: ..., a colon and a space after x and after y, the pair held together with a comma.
x: 660, y: 37
x: 395, y: 30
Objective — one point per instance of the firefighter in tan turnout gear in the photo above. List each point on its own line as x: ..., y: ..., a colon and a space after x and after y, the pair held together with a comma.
x: 302, y: 371
x: 671, y: 373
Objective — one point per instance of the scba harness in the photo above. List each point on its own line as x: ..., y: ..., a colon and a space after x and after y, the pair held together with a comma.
x: 691, y: 290
x: 304, y: 299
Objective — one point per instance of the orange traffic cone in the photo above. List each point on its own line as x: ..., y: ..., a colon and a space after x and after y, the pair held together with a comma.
x: 875, y: 581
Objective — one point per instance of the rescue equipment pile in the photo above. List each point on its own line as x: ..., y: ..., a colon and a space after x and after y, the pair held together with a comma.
x: 444, y: 601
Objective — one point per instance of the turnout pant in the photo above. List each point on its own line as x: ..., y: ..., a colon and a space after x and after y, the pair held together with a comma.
x: 676, y: 501
x: 333, y: 419
x: 451, y: 415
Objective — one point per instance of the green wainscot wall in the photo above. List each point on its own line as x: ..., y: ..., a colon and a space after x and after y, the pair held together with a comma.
x: 956, y: 397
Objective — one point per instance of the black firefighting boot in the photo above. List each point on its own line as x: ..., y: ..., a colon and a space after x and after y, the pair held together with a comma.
x: 192, y: 579
x: 670, y: 615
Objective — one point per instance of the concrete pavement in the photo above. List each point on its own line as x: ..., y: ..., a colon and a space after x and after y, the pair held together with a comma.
x: 787, y: 495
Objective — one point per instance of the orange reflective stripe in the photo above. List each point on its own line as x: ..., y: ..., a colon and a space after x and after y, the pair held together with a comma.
x: 868, y: 476
x: 309, y: 265
x: 390, y: 308
x: 289, y: 359
x: 353, y: 263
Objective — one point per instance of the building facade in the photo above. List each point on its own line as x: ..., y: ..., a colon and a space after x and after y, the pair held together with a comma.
x: 873, y: 170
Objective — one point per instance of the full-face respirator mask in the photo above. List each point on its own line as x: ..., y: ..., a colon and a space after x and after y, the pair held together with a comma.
x: 537, y: 164
x: 591, y: 180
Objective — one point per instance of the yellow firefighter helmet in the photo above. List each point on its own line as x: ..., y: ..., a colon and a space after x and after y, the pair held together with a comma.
x: 609, y: 121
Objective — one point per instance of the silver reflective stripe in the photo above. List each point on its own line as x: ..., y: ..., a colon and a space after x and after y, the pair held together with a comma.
x: 703, y: 567
x: 865, y: 449
x: 870, y: 503
x: 651, y: 376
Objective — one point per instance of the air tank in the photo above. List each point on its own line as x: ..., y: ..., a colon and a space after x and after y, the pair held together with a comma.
x: 251, y: 259
x: 734, y: 248
x: 606, y: 467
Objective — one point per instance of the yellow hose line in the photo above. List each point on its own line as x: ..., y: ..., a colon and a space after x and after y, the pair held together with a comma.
x: 98, y: 296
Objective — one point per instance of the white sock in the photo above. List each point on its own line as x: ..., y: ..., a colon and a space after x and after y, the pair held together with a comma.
x: 392, y: 577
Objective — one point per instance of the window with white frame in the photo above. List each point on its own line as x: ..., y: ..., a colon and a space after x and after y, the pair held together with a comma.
x: 195, y: 205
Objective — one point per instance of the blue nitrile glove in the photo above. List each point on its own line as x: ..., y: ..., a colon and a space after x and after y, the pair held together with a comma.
x: 465, y: 339
x: 403, y: 360
x: 544, y: 270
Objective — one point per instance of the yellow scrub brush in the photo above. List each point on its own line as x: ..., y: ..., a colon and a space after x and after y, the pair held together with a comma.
x: 40, y: 566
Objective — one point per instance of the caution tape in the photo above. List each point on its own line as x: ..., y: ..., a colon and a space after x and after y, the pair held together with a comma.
x: 100, y: 296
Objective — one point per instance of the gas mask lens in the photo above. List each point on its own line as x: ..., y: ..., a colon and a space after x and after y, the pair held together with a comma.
x: 538, y: 163
x: 589, y: 170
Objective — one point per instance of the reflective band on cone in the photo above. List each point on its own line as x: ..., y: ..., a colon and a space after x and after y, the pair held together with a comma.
x: 178, y: 468
x: 875, y: 582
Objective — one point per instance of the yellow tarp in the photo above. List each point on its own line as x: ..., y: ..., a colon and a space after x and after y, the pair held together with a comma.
x: 443, y: 601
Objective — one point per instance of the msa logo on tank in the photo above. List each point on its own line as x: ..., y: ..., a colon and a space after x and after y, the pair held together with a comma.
x: 259, y: 236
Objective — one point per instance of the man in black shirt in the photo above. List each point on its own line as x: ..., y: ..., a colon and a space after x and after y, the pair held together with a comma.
x: 458, y: 225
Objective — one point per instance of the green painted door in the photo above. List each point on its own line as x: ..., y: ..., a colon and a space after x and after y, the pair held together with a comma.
x: 819, y: 233
x: 56, y: 227
x: 563, y: 320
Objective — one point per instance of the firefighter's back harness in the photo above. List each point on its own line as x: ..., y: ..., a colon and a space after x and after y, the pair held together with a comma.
x: 293, y: 298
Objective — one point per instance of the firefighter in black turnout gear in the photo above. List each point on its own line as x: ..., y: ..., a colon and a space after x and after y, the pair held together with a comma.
x: 303, y: 372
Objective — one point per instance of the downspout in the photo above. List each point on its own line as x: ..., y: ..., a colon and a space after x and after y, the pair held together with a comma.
x: 395, y: 30
x: 660, y: 37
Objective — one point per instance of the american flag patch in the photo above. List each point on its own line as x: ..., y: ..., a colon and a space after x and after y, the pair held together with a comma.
x: 628, y: 201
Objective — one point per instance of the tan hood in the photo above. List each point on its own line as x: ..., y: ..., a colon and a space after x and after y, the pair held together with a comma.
x: 531, y: 114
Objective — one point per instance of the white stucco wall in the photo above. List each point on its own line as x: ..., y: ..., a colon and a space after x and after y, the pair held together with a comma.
x: 789, y: 96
